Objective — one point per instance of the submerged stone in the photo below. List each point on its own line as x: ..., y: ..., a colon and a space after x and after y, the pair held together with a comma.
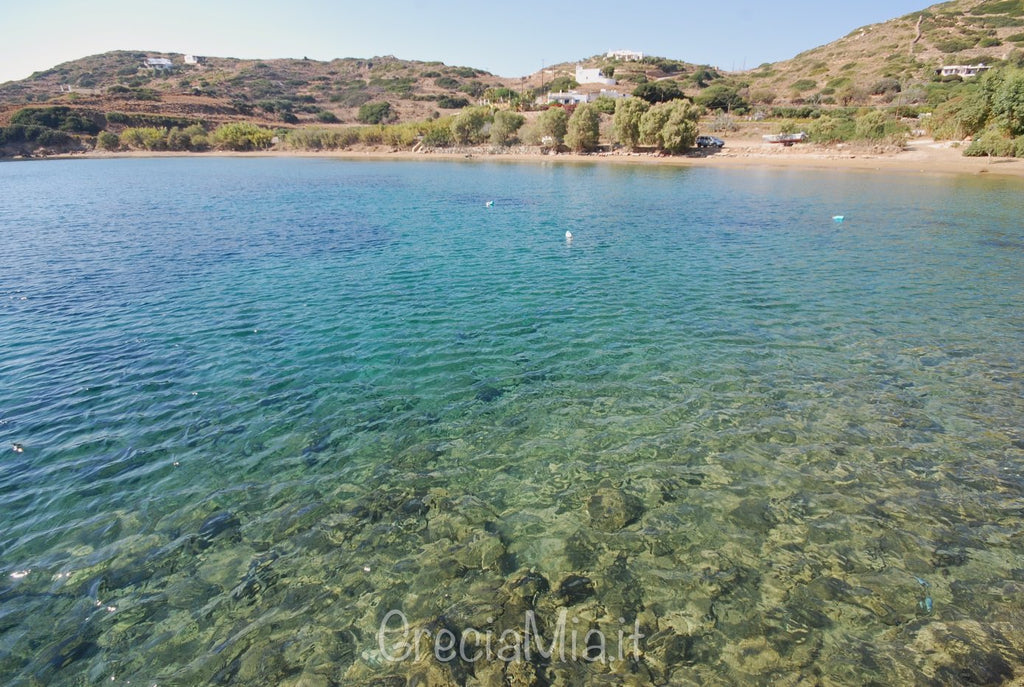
x: 612, y: 509
x: 576, y: 588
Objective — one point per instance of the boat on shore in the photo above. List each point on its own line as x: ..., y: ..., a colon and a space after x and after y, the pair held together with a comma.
x: 785, y: 139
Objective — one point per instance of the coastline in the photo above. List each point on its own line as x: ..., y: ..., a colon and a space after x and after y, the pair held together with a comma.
x: 921, y: 156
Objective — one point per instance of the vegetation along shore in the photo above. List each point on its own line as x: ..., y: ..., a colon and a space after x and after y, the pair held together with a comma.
x: 939, y: 86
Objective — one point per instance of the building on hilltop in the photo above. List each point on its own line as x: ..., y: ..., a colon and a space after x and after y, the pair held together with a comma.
x: 592, y: 76
x: 159, y: 63
x: 626, y: 55
x: 962, y: 70
x: 193, y: 59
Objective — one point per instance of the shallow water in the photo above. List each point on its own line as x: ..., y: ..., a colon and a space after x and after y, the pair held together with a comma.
x: 250, y: 406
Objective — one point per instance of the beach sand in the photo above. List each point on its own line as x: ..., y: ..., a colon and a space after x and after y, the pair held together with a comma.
x: 920, y: 156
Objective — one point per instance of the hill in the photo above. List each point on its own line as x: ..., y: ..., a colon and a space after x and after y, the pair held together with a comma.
x: 289, y: 91
x: 907, y: 50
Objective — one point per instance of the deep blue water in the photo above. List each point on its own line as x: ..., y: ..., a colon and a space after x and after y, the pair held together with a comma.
x: 248, y: 405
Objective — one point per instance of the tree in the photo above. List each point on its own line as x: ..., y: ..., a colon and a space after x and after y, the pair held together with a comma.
x: 374, y: 113
x: 553, y: 123
x: 651, y: 124
x: 670, y: 126
x: 626, y: 122
x: 467, y: 126
x: 1008, y: 102
x: 562, y: 83
x: 680, y: 131
x: 722, y: 97
x: 506, y: 124
x: 584, y: 129
x: 658, y: 91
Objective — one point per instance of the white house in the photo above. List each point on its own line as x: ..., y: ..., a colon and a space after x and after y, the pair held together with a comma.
x: 963, y: 70
x: 625, y: 55
x: 192, y: 59
x: 159, y: 63
x: 568, y: 98
x: 592, y: 76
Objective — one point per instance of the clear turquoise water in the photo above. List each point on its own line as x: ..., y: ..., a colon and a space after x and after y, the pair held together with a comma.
x: 261, y: 402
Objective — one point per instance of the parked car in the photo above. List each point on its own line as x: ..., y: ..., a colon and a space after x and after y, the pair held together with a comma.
x: 709, y: 142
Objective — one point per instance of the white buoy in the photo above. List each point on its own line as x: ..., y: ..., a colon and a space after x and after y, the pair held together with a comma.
x: 490, y: 203
x: 568, y: 236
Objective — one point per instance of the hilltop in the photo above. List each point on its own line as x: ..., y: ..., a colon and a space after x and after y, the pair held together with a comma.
x: 908, y: 50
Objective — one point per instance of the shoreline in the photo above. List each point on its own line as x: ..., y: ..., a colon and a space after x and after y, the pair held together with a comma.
x: 922, y: 156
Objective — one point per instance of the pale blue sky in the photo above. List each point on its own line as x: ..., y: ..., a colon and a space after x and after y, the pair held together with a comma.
x: 508, y: 38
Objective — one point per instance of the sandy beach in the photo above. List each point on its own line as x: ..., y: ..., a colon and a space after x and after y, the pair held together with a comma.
x: 920, y: 156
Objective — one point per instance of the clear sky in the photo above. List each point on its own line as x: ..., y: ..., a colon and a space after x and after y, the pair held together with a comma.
x: 506, y: 37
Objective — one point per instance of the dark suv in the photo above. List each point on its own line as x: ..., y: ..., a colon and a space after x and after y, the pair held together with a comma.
x: 709, y: 142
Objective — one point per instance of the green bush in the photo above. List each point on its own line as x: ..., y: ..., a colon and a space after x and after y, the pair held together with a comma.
x: 583, y: 129
x: 886, y: 86
x: 991, y: 143
x: 828, y: 129
x: 108, y: 141
x: 960, y: 117
x: 722, y: 97
x: 438, y: 134
x: 449, y: 103
x: 467, y: 126
x: 506, y: 124
x: 879, y: 126
x: 241, y: 136
x: 62, y: 118
x: 553, y: 123
x: 374, y: 113
x: 658, y: 91
x: 626, y: 122
x: 804, y: 85
x: 447, y: 82
x: 144, y: 138
x: 605, y: 105
x: 327, y: 117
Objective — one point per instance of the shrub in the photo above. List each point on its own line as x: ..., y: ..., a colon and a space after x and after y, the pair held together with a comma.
x: 374, y: 113
x: 991, y: 142
x: 449, y: 103
x: 63, y: 118
x: 553, y: 123
x: 505, y: 126
x: 467, y: 126
x: 145, y: 138
x: 605, y: 105
x: 804, y: 85
x: 626, y: 122
x: 242, y: 136
x: 327, y: 117
x: 658, y: 91
x: 108, y: 141
x: 721, y: 97
x: 447, y: 82
x: 886, y: 86
x: 960, y: 117
x: 878, y: 126
x: 583, y: 129
x: 828, y: 129
x: 438, y: 134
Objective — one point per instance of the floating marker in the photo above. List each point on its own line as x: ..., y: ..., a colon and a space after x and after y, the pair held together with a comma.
x: 568, y: 236
x: 838, y: 218
x: 490, y: 203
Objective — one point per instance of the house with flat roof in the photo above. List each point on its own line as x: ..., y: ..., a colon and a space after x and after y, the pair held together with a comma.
x: 592, y: 76
x: 159, y: 63
x: 625, y: 55
x: 962, y: 70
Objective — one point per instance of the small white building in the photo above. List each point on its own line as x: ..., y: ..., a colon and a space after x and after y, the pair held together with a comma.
x: 159, y: 63
x: 614, y: 95
x: 592, y: 76
x: 568, y: 98
x: 193, y: 59
x: 963, y: 70
x: 625, y: 55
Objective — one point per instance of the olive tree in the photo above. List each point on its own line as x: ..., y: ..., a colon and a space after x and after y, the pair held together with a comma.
x: 584, y: 129
x: 626, y: 121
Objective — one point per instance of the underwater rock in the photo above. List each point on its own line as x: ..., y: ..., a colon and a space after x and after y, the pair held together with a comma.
x: 220, y: 523
x: 612, y: 509
x: 622, y: 595
x: 754, y: 515
x: 581, y: 550
x: 965, y: 652
x: 576, y: 588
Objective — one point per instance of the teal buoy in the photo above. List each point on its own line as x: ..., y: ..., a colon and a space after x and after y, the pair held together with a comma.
x: 490, y: 203
x: 838, y: 218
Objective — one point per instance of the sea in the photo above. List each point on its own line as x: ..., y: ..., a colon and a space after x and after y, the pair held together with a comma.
x: 307, y: 421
